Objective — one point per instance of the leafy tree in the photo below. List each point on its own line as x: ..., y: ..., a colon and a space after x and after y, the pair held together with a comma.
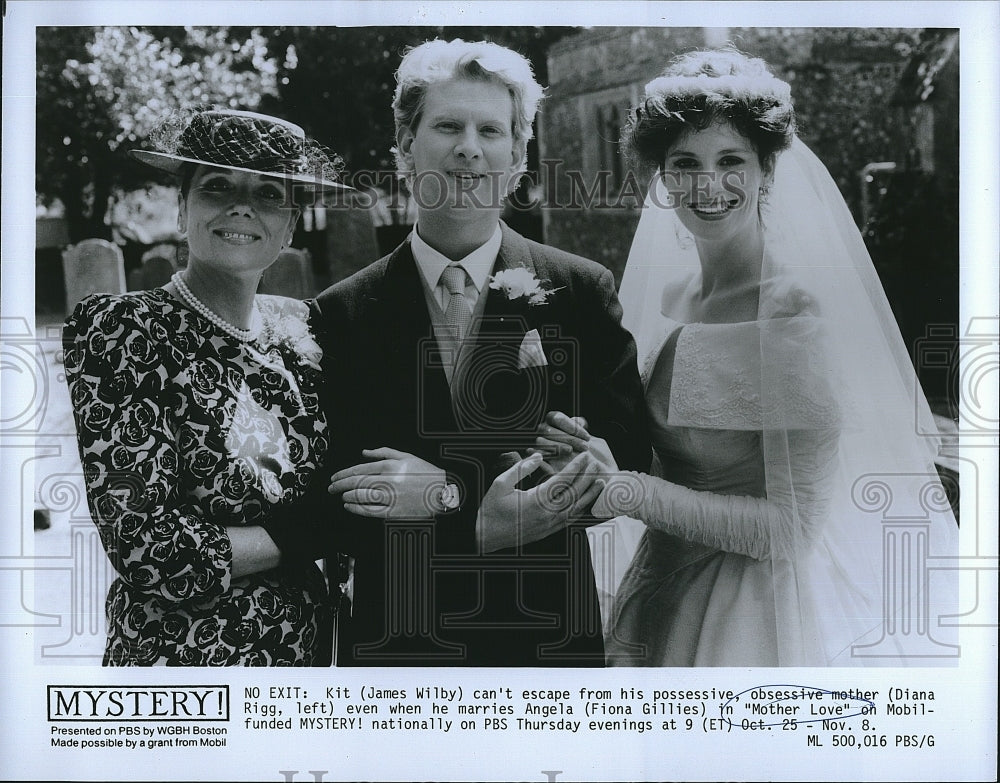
x: 72, y: 124
x: 102, y: 90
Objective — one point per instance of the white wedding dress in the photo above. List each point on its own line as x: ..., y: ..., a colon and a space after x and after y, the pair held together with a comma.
x: 704, y: 595
x: 783, y: 446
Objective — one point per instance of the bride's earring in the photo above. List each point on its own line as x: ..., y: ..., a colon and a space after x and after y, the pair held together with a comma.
x: 763, y: 203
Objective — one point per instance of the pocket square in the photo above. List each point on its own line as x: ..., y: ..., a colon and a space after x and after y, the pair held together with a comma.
x: 531, y: 353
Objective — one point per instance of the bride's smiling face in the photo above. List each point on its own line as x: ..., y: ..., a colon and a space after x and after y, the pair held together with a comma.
x: 714, y: 177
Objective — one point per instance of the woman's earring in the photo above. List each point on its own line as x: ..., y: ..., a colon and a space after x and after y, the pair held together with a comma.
x: 764, y: 190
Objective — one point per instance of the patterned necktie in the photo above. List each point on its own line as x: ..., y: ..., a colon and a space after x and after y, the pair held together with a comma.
x: 457, y: 312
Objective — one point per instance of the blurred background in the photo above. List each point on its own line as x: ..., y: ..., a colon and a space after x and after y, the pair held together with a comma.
x: 879, y: 106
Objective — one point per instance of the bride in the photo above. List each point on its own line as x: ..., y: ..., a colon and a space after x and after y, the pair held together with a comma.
x: 775, y: 378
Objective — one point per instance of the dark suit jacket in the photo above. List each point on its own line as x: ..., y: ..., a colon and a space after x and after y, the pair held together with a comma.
x: 423, y: 593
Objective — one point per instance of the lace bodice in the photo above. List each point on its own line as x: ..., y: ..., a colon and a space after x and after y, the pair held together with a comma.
x: 708, y: 430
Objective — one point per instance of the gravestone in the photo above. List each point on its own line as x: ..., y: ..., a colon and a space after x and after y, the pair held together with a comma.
x: 90, y: 267
x: 51, y: 238
x: 291, y: 275
x: 350, y: 237
x: 156, y: 271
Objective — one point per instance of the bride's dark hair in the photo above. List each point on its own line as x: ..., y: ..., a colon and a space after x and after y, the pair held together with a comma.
x: 702, y: 87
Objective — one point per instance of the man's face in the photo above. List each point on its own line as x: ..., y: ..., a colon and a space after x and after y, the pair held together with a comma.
x: 462, y: 152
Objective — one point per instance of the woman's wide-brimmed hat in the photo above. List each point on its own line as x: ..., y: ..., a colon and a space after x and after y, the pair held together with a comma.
x: 245, y: 141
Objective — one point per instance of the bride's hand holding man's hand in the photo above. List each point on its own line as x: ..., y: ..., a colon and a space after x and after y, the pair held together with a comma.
x: 560, y: 438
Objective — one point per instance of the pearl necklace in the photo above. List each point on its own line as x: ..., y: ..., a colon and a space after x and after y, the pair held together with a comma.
x: 192, y: 301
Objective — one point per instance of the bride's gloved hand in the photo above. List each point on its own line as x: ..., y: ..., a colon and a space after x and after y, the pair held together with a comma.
x: 560, y: 438
x: 622, y: 496
x: 396, y: 485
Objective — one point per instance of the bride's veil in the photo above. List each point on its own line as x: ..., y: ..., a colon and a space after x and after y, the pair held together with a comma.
x: 847, y: 438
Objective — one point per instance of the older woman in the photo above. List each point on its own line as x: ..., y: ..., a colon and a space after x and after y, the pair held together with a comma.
x: 197, y: 414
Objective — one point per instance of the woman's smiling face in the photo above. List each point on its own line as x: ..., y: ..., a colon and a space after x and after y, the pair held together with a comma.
x: 714, y: 177
x: 237, y: 218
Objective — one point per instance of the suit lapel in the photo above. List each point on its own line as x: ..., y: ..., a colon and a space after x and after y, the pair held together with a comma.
x: 490, y: 392
x: 501, y: 316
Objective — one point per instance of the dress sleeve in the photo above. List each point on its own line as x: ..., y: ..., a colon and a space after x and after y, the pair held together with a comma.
x: 310, y: 527
x: 118, y: 364
x: 780, y: 525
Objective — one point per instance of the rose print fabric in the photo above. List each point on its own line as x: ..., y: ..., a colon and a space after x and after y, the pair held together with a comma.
x: 185, y: 432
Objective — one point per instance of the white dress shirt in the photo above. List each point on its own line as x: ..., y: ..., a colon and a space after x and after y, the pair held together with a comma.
x: 478, y: 265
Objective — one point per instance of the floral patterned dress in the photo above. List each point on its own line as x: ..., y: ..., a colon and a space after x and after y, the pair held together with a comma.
x: 185, y: 432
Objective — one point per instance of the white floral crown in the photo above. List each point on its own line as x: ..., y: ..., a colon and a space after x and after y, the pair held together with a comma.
x: 739, y: 87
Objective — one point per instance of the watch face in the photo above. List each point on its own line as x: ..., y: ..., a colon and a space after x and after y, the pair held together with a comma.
x: 449, y: 496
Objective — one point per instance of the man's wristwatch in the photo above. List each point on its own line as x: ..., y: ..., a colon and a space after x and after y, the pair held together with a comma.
x: 448, y: 498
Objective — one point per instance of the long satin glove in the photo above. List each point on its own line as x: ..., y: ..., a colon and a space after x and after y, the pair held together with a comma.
x: 780, y: 525
x: 734, y: 523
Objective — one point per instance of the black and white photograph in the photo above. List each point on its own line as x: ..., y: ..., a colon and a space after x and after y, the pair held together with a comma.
x: 556, y: 391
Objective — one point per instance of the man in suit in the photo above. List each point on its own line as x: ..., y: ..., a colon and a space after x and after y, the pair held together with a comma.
x: 442, y: 360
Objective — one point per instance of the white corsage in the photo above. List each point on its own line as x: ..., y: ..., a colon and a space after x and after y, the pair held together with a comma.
x: 291, y: 330
x: 270, y: 486
x: 518, y: 283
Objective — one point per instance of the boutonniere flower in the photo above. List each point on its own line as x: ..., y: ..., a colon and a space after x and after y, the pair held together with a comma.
x: 519, y: 283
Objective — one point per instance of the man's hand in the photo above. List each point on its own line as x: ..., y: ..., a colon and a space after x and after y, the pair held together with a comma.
x: 561, y: 438
x: 397, y: 485
x: 509, y: 517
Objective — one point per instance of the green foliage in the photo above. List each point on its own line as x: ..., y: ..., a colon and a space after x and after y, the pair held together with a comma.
x: 842, y: 83
x: 72, y: 123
